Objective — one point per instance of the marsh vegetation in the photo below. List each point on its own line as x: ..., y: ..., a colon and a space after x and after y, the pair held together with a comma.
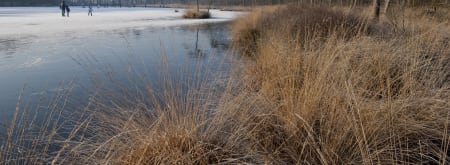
x: 309, y: 85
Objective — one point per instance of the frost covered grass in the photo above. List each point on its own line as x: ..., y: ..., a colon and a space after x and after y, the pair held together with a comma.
x: 313, y: 96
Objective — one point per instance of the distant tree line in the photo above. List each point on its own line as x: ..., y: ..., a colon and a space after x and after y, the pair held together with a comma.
x: 161, y: 3
x: 29, y: 2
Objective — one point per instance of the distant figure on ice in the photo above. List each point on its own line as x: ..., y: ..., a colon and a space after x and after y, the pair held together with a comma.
x: 62, y: 6
x: 90, y: 10
x: 68, y: 10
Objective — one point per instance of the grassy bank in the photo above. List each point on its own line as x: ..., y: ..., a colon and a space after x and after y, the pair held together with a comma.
x: 313, y: 86
x: 347, y: 90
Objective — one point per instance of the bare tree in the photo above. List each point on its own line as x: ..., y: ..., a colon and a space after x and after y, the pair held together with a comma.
x: 354, y: 3
x: 386, y: 5
x: 376, y: 9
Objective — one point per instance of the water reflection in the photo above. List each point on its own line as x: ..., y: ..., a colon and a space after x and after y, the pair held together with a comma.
x: 197, y: 51
x: 217, y: 35
x: 218, y: 39
x: 125, y: 56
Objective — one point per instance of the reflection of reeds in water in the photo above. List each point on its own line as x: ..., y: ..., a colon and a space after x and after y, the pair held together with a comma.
x: 321, y: 96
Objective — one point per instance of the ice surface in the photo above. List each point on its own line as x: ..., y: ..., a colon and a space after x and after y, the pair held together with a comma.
x: 47, y: 21
x: 42, y: 49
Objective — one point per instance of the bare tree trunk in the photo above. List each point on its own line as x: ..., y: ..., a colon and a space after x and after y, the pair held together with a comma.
x: 354, y: 3
x: 198, y: 7
x: 209, y: 5
x: 376, y: 9
x: 386, y: 5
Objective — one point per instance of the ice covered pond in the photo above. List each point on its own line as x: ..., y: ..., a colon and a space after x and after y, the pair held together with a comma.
x: 45, y: 52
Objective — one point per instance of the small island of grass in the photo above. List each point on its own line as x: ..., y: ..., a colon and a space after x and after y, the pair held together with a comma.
x: 197, y: 14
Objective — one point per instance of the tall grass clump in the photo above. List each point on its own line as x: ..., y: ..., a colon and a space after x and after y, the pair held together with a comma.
x: 300, y: 25
x: 340, y: 94
x: 196, y: 14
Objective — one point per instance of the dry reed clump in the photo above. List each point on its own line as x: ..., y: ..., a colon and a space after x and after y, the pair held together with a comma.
x: 171, y: 125
x: 172, y: 145
x: 357, y: 100
x: 300, y: 24
x: 196, y: 14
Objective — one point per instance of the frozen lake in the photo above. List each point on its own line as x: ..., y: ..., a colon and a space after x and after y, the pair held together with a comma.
x: 47, y: 21
x: 45, y: 51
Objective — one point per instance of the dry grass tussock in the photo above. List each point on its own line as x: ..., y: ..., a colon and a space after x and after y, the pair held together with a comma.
x: 345, y: 95
x: 317, y: 91
x: 300, y: 25
x: 196, y: 14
